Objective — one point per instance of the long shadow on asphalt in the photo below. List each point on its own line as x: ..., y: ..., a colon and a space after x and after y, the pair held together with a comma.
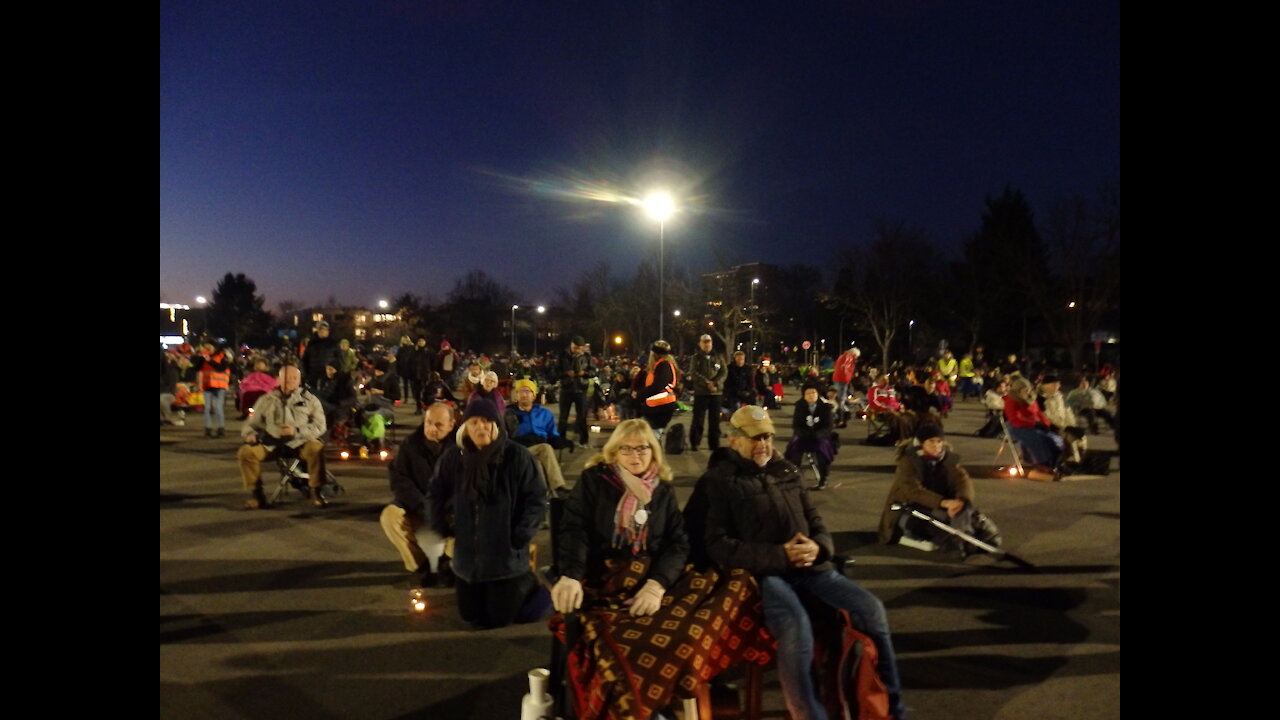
x: 220, y: 576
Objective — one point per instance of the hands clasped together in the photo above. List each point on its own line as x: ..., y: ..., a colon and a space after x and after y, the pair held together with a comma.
x: 801, y: 551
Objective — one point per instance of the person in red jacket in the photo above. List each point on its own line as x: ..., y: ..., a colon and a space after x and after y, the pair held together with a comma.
x: 845, y: 372
x: 1029, y: 426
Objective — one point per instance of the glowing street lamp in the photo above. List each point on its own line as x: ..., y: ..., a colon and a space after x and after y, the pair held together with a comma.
x: 751, y: 356
x: 383, y: 304
x: 660, y: 206
x: 541, y: 309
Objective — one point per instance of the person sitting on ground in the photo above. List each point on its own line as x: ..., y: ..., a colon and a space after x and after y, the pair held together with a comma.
x: 1088, y: 402
x: 942, y: 389
x: 812, y: 432
x: 168, y: 386
x: 621, y: 553
x: 534, y: 427
x: 1061, y: 419
x: 437, y: 390
x: 405, y: 520
x: 752, y: 512
x: 1029, y: 426
x: 255, y: 385
x: 993, y: 400
x: 930, y: 478
x: 488, y: 495
x: 286, y: 422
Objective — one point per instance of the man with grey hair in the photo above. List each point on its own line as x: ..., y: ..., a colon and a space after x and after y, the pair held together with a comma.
x: 288, y: 421
x: 751, y: 510
x: 707, y: 372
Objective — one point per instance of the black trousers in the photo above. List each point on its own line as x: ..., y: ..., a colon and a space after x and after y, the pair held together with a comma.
x: 706, y: 410
x: 578, y: 401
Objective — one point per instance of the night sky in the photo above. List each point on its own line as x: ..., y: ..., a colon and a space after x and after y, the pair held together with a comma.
x: 362, y: 149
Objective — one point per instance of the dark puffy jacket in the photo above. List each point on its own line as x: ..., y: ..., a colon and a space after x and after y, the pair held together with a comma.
x: 585, y: 535
x: 411, y: 471
x: 745, y: 514
x: 491, y: 540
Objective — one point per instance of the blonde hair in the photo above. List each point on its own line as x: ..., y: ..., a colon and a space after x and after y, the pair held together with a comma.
x: 626, y: 429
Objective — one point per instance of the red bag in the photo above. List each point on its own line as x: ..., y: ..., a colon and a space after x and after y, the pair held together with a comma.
x: 860, y: 694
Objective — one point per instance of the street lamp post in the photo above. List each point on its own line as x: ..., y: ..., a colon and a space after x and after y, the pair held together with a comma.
x: 911, y: 353
x: 751, y: 356
x: 513, y: 331
x: 204, y: 314
x: 676, y: 314
x: 660, y: 206
x: 541, y: 309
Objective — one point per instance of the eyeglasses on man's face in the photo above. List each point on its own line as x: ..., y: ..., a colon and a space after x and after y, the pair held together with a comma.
x: 762, y: 438
x: 634, y: 449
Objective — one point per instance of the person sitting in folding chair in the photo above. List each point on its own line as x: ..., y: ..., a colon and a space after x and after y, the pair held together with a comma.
x: 286, y: 422
x: 930, y: 478
x: 1029, y: 426
x: 811, y: 425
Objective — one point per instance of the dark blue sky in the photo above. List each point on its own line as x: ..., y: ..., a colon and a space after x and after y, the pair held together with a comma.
x: 365, y: 148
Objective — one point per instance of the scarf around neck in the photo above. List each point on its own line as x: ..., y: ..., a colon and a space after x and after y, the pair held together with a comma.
x: 477, y: 478
x: 636, y: 494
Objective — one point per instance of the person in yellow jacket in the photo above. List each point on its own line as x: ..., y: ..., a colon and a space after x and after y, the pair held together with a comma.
x: 970, y: 384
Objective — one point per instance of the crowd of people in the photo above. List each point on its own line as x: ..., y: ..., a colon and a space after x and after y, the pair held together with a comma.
x: 472, y: 485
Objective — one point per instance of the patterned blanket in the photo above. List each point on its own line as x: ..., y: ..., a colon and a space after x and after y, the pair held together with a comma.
x: 626, y: 668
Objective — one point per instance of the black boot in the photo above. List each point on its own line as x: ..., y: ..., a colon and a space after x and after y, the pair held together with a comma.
x: 444, y: 573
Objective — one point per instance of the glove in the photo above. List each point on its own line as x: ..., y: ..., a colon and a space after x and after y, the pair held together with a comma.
x: 566, y: 596
x: 649, y: 599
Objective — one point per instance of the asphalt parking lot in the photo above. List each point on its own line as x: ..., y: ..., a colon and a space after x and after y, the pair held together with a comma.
x: 299, y: 612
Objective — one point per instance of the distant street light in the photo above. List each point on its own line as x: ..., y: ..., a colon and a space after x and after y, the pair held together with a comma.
x: 383, y: 304
x: 660, y: 206
x: 910, y: 346
x: 204, y: 313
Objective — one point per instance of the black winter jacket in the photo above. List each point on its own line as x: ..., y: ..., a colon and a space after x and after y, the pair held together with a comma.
x: 746, y: 513
x: 491, y: 540
x: 411, y: 471
x: 585, y: 535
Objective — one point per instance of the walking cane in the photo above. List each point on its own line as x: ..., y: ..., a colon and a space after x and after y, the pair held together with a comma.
x: 964, y: 536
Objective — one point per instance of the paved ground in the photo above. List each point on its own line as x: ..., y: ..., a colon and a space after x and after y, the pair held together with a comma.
x: 296, y: 612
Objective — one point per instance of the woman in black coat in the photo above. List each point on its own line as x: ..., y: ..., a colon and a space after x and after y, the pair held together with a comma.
x: 812, y: 425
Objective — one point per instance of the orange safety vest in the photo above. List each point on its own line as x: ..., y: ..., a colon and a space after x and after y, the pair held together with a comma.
x: 667, y: 395
x: 216, y: 379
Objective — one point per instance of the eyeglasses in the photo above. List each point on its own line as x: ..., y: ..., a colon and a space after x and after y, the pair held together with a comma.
x: 762, y: 438
x: 636, y: 450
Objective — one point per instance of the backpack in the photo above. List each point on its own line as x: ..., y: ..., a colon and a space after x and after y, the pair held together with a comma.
x: 859, y: 692
x: 674, y: 440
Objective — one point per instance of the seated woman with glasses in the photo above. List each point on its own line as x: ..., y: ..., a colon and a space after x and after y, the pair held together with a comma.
x: 621, y: 550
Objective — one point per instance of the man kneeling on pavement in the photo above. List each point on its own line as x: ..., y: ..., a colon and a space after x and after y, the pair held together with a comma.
x: 405, y: 520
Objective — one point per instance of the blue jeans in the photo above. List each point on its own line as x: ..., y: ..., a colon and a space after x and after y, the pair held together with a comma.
x: 1041, y: 448
x: 842, y: 399
x: 215, y: 401
x: 787, y: 620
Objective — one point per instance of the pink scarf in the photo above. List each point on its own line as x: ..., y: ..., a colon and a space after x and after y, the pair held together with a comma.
x: 637, y: 492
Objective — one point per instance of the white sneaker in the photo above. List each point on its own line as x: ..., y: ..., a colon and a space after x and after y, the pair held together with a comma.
x: 179, y: 422
x: 917, y: 544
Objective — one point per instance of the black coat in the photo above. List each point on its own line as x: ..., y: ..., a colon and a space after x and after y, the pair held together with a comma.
x: 822, y: 425
x: 585, y: 534
x: 491, y: 539
x: 412, y: 469
x: 746, y: 513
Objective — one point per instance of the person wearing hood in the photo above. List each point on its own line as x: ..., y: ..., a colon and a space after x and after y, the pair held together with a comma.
x: 751, y: 510
x: 930, y: 478
x: 488, y: 390
x: 488, y: 495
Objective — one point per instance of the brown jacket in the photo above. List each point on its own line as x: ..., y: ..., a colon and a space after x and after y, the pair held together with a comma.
x: 908, y: 486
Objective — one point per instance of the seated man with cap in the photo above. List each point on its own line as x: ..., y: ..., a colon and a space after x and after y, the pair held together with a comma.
x: 751, y: 510
x: 930, y: 478
x: 534, y: 427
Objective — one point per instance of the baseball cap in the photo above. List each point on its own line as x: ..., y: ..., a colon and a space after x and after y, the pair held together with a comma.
x: 751, y: 420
